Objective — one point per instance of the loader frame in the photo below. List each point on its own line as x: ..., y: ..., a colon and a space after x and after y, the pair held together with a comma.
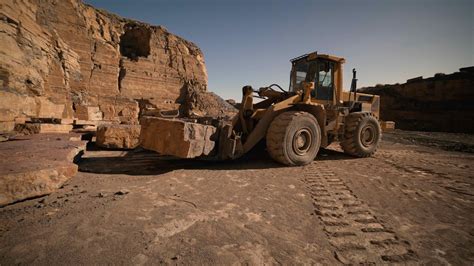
x: 250, y: 126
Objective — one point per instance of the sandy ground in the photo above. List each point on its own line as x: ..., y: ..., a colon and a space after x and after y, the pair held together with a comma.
x: 410, y: 204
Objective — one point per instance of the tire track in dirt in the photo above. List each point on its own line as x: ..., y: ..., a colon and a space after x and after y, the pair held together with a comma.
x: 350, y: 225
x: 448, y: 181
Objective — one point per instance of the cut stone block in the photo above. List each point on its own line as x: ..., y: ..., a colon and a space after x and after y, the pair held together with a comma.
x: 67, y: 121
x: 120, y: 109
x: 88, y: 113
x: 35, y: 128
x: 387, y: 125
x: 118, y: 136
x: 177, y: 137
x: 22, y: 120
x: 6, y: 115
x: 54, y: 128
x: 86, y: 123
x: 48, y: 109
x: 7, y: 126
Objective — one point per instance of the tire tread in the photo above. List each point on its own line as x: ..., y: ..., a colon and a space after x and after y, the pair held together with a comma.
x: 276, y: 135
x: 349, y: 142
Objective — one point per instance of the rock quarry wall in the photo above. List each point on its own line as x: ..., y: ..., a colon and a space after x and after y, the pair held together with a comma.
x: 440, y: 103
x: 59, y: 57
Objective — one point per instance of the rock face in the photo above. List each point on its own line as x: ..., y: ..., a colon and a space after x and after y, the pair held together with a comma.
x: 118, y: 136
x: 22, y: 177
x: 177, y: 137
x: 65, y: 59
x: 441, y: 103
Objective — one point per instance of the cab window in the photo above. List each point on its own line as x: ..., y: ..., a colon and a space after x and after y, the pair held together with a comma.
x: 301, y: 72
x: 325, y: 77
x: 324, y: 80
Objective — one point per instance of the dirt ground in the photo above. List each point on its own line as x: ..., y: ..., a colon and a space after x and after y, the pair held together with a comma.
x: 411, y: 204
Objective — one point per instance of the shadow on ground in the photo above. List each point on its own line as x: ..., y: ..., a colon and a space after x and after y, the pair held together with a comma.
x: 143, y: 162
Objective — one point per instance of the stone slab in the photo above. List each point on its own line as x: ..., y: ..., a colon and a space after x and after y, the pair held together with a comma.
x: 35, y: 128
x: 36, y: 165
x: 86, y: 122
x: 118, y: 136
x: 54, y: 128
x: 67, y: 121
x: 93, y: 123
x: 177, y: 137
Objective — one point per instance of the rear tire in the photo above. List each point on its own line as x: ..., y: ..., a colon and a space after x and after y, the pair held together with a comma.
x: 362, y: 134
x: 294, y: 138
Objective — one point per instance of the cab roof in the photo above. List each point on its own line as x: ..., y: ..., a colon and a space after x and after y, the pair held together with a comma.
x: 315, y: 55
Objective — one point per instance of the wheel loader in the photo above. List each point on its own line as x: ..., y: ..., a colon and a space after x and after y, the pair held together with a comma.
x: 295, y: 123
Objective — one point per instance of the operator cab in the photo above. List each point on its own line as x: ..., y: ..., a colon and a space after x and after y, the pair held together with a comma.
x: 320, y: 69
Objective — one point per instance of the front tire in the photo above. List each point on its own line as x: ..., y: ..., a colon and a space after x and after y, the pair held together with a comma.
x: 294, y: 138
x: 362, y: 134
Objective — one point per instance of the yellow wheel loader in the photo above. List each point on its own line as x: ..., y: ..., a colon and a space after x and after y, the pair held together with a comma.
x: 296, y: 123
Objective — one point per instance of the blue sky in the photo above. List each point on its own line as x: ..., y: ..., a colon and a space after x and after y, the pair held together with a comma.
x: 251, y: 42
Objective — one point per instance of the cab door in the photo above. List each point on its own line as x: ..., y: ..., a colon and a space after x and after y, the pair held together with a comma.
x: 324, y: 80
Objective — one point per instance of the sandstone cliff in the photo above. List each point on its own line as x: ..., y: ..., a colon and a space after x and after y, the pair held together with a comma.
x: 440, y: 103
x: 59, y: 56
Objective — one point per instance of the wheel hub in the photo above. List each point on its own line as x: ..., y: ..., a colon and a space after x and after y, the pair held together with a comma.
x: 367, y: 136
x: 302, y: 141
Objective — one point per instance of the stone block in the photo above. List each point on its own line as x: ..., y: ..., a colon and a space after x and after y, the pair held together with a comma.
x: 67, y: 121
x: 48, y: 109
x: 7, y: 115
x: 18, y: 104
x: 119, y: 109
x: 54, y: 128
x: 86, y: 129
x: 35, y: 128
x: 7, y: 126
x: 177, y: 137
x: 22, y: 120
x: 86, y: 123
x: 387, y: 125
x: 118, y: 136
x: 91, y: 113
